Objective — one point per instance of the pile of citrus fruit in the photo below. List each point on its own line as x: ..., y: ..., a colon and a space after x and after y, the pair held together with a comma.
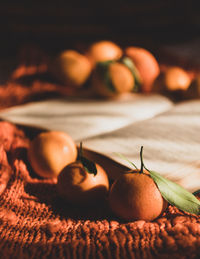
x: 110, y: 70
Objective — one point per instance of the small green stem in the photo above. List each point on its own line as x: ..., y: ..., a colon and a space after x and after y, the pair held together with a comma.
x: 141, y: 159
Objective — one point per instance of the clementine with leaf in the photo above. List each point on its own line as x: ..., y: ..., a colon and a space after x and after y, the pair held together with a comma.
x: 135, y: 196
x: 83, y: 181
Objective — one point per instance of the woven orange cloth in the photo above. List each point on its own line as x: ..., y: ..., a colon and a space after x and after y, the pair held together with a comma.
x: 36, y: 223
x: 30, y: 80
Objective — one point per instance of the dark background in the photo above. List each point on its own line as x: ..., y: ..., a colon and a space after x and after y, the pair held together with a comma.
x: 56, y: 25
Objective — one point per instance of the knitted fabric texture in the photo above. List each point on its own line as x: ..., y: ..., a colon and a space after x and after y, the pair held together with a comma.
x: 36, y: 223
x: 29, y: 79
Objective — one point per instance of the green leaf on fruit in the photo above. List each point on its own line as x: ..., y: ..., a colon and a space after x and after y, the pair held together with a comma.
x: 172, y: 192
x: 88, y: 165
x: 129, y: 63
x: 175, y: 194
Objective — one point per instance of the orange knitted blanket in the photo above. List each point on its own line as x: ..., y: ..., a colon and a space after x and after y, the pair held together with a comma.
x: 28, y: 79
x: 36, y: 223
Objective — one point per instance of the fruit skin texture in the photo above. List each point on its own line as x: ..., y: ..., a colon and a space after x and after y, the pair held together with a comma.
x: 71, y: 68
x: 120, y: 77
x: 102, y: 51
x: 76, y: 185
x: 135, y: 196
x: 146, y: 64
x: 176, y: 78
x: 49, y: 152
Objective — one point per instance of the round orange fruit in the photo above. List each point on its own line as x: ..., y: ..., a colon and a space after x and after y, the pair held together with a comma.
x: 146, y: 65
x: 135, y: 196
x: 113, y: 79
x: 71, y: 68
x: 76, y: 185
x: 176, y: 78
x: 49, y: 152
x: 102, y: 51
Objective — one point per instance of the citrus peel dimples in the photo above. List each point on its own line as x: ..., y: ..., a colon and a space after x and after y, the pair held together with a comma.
x: 135, y: 196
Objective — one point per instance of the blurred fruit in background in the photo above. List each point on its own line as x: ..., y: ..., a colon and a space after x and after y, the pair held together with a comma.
x: 176, y: 78
x: 112, y: 78
x: 108, y: 71
x: 174, y: 81
x: 103, y: 51
x: 71, y: 68
x: 146, y: 65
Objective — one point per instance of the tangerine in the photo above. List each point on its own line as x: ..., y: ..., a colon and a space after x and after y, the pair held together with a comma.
x: 117, y: 79
x: 146, y: 64
x: 102, y: 51
x: 75, y: 184
x: 71, y: 68
x: 135, y: 196
x: 49, y: 152
x: 176, y: 78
